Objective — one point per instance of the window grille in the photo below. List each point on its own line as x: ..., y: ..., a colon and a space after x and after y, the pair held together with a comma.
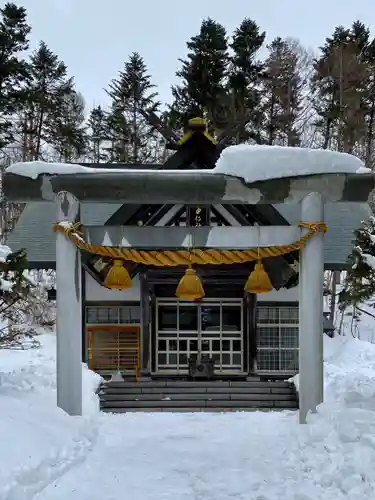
x: 278, y: 330
x: 113, y: 315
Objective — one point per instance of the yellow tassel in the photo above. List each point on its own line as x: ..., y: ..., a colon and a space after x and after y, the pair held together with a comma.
x: 190, y: 286
x: 258, y: 281
x: 118, y: 277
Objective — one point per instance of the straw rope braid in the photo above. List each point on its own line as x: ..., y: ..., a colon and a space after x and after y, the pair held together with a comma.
x: 166, y: 258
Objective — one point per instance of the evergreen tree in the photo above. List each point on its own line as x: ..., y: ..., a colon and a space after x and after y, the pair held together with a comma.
x: 119, y: 136
x: 65, y: 129
x: 244, y: 76
x: 203, y: 74
x: 14, y: 31
x: 47, y: 90
x: 97, y: 134
x: 367, y: 153
x: 281, y: 94
x: 340, y: 84
x: 360, y: 281
x: 130, y: 92
x: 16, y: 296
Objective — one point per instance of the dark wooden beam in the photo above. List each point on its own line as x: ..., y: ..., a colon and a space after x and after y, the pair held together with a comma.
x: 157, y: 123
x: 83, y: 318
x: 186, y: 187
x: 219, y: 276
x: 251, y: 305
x: 41, y: 264
x: 145, y: 321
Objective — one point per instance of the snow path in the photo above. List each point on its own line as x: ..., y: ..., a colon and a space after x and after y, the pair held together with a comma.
x: 252, y: 456
x: 28, y: 481
x: 153, y: 456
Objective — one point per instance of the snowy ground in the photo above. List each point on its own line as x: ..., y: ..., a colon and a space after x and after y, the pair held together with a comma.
x: 46, y: 455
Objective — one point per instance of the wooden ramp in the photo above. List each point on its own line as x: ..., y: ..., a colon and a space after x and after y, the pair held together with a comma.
x: 185, y: 396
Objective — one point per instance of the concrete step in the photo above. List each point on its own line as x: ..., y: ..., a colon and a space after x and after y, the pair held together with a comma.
x: 194, y: 390
x: 194, y: 384
x: 182, y: 395
x: 198, y: 397
x: 253, y: 403
x: 190, y: 410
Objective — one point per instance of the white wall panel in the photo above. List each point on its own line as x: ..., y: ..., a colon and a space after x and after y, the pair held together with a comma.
x: 96, y: 292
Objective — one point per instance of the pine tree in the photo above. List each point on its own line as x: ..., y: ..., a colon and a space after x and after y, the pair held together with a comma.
x: 360, y: 281
x: 14, y: 32
x: 130, y: 92
x: 17, y: 294
x: 202, y: 90
x: 281, y: 94
x: 340, y: 84
x: 119, y: 135
x: 49, y: 85
x: 97, y: 134
x: 367, y: 154
x: 13, y: 285
x: 65, y: 130
x: 244, y: 76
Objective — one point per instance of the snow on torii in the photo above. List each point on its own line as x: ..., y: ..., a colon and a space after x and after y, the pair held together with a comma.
x: 243, y: 174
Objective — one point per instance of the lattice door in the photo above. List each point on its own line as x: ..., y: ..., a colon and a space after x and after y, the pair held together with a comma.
x: 114, y: 348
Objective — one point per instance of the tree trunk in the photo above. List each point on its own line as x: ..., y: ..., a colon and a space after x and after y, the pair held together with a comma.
x: 39, y: 134
x: 370, y: 131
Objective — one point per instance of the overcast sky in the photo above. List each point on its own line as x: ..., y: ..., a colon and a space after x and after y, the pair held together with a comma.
x: 95, y: 37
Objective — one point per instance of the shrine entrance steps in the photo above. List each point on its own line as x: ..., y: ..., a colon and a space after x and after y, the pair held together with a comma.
x: 187, y: 396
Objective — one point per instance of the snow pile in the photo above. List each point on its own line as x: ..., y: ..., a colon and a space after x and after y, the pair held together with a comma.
x: 4, y: 252
x: 39, y: 442
x: 350, y: 374
x: 260, y: 163
x: 34, y: 371
x: 5, y: 285
x: 335, y: 452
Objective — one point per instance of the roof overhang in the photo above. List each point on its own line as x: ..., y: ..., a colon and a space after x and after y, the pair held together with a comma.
x: 42, y: 264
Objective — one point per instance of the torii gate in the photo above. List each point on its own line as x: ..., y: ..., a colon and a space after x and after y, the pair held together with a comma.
x: 46, y: 182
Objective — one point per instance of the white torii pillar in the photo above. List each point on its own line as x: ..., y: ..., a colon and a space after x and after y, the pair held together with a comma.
x: 311, y: 280
x: 69, y: 311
